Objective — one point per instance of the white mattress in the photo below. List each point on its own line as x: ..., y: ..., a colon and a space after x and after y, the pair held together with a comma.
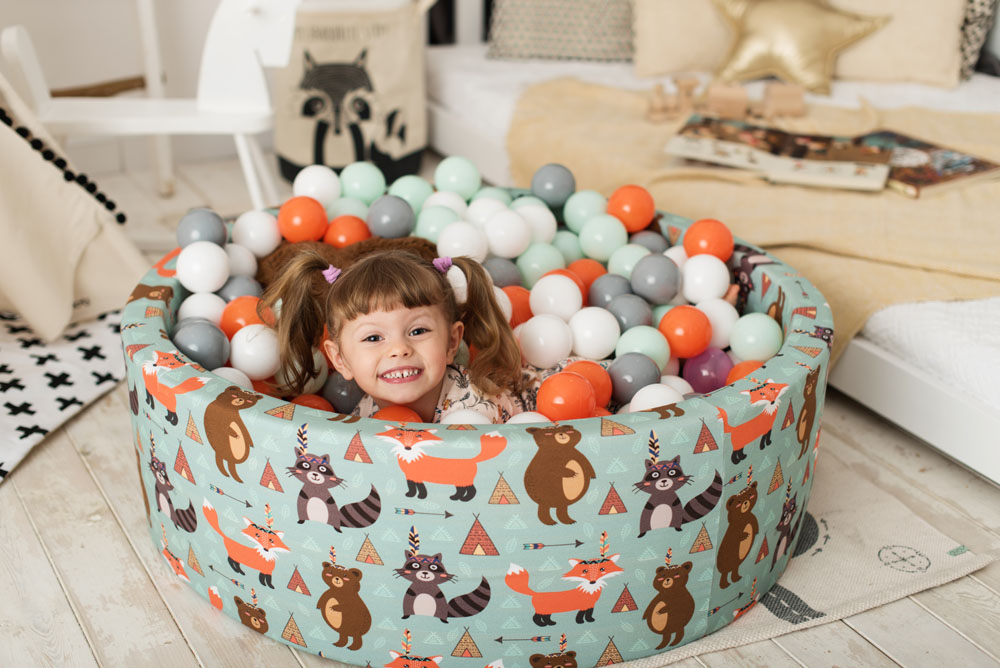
x: 955, y: 342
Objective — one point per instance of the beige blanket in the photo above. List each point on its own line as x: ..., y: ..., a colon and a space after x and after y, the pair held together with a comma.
x: 864, y: 251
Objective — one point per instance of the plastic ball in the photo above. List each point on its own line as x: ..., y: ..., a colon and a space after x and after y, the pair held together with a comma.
x: 520, y: 301
x: 265, y: 386
x: 566, y: 396
x: 527, y: 417
x: 742, y: 370
x: 659, y: 311
x: 206, y: 305
x: 677, y: 254
x: 201, y: 225
x: 391, y: 217
x: 255, y: 351
x: 654, y: 396
x: 582, y: 206
x: 655, y: 278
x: 601, y: 236
x: 319, y: 182
x: 568, y: 244
x: 654, y: 241
x: 630, y: 311
x: 462, y: 238
x: 629, y: 373
x: 239, y: 313
x: 624, y: 259
x: 633, y: 205
x: 432, y: 219
x: 346, y: 230
x: 343, y: 394
x: 240, y: 286
x: 556, y: 295
x: 502, y: 271
x: 755, y: 336
x: 553, y: 184
x: 257, y: 231
x: 709, y: 236
x: 538, y: 260
x: 598, y: 377
x: 347, y: 206
x: 187, y: 322
x: 466, y: 416
x: 646, y: 340
x: 526, y: 200
x: 503, y: 301
x: 573, y: 277
x: 313, y: 401
x: 242, y: 261
x: 677, y: 383
x: 234, y: 376
x: 507, y: 233
x: 707, y: 372
x: 687, y: 329
x: 595, y: 332
x: 493, y: 192
x: 673, y: 367
x: 315, y: 384
x: 546, y: 340
x: 397, y: 414
x: 481, y: 210
x: 413, y: 189
x: 203, y: 342
x: 704, y: 277
x: 604, y: 288
x: 587, y: 270
x: 459, y: 175
x: 302, y: 219
x: 542, y: 221
x: 202, y: 266
x: 362, y: 180
x: 722, y: 315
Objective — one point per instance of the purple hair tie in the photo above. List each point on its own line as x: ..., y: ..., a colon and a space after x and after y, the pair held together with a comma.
x: 442, y: 264
x: 331, y: 274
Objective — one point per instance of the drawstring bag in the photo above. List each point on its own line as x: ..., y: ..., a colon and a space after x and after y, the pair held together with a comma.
x: 354, y: 88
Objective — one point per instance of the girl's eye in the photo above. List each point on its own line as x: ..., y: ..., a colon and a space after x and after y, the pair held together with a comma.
x: 417, y: 331
x: 372, y: 338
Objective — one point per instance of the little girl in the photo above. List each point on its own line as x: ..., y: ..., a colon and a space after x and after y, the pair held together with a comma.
x: 395, y: 322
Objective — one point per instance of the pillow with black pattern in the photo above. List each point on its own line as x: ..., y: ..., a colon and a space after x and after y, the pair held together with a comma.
x: 561, y: 29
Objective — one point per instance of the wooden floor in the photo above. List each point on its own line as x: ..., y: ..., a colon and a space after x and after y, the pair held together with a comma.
x: 82, y: 585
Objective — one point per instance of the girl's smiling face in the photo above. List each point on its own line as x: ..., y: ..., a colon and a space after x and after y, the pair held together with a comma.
x: 399, y: 357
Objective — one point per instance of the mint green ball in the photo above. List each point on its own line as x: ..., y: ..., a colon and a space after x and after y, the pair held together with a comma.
x: 362, y: 180
x: 432, y: 220
x: 659, y: 312
x: 525, y: 200
x: 582, y: 206
x: 413, y: 189
x: 348, y: 206
x: 623, y: 260
x: 755, y: 336
x: 568, y: 244
x: 538, y: 260
x: 496, y: 193
x: 646, y: 340
x: 601, y: 236
x: 459, y: 175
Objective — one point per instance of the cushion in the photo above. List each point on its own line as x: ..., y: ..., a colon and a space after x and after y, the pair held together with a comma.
x: 979, y: 16
x: 671, y: 36
x: 564, y: 29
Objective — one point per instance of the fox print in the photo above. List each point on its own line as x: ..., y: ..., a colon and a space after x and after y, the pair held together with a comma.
x: 765, y: 395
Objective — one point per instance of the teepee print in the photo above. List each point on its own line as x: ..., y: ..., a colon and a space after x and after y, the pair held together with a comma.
x: 466, y: 647
x: 191, y: 431
x: 612, y: 428
x: 789, y: 417
x: 613, y: 503
x: 356, y: 451
x: 461, y: 427
x: 478, y: 541
x: 625, y: 602
x: 702, y: 542
x: 368, y: 554
x: 285, y: 411
x: 269, y: 479
x: 503, y: 493
x: 292, y: 633
x: 807, y: 311
x: 610, y: 655
x: 765, y: 283
x: 809, y: 350
x: 763, y: 552
x: 777, y: 478
x: 706, y: 442
x: 193, y: 562
x: 297, y: 584
x: 154, y: 312
x: 181, y: 465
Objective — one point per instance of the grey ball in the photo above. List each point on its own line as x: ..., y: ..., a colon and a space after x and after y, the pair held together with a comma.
x: 181, y: 324
x: 656, y: 278
x: 502, y: 271
x: 631, y: 311
x: 391, y: 217
x: 343, y: 394
x: 203, y: 342
x: 553, y: 184
x: 630, y: 373
x: 654, y: 241
x: 201, y: 225
x: 239, y: 286
x: 606, y: 287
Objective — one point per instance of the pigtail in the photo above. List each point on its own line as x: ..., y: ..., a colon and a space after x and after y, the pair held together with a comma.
x: 497, y: 363
x: 302, y: 291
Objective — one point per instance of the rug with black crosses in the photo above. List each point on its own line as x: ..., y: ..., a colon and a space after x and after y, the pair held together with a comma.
x: 44, y: 384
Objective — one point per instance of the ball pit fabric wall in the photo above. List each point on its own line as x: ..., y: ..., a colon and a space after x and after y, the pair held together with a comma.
x: 481, y: 544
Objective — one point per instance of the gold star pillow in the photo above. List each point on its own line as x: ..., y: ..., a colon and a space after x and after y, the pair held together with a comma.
x: 794, y: 40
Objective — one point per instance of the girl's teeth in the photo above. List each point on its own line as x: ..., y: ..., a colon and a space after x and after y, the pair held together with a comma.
x: 402, y: 374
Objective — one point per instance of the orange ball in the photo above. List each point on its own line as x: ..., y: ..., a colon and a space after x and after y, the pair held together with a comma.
x: 239, y: 313
x: 687, y: 329
x: 634, y: 206
x: 588, y: 270
x: 601, y: 412
x: 599, y: 379
x: 302, y: 219
x: 397, y: 414
x: 268, y: 386
x: 566, y: 396
x: 742, y: 370
x: 314, y: 401
x: 346, y: 230
x: 573, y: 277
x: 520, y: 301
x: 709, y: 236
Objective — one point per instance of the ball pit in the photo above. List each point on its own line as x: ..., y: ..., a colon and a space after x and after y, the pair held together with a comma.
x: 529, y: 525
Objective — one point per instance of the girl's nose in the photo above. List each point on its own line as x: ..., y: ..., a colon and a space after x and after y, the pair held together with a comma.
x: 400, y: 348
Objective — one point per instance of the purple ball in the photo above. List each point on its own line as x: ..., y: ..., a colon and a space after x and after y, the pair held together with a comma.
x: 707, y: 372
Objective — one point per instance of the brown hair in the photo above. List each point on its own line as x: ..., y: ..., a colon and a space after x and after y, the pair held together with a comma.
x: 388, y: 280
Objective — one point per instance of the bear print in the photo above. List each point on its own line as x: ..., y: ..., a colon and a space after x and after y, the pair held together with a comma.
x: 558, y: 475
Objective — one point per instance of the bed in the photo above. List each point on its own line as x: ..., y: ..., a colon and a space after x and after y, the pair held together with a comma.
x: 928, y: 367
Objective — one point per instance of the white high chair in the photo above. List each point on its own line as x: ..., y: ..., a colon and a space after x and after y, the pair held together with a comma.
x: 232, y: 94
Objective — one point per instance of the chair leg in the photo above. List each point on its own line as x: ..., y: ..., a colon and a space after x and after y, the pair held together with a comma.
x: 163, y: 164
x: 263, y: 172
x: 249, y: 173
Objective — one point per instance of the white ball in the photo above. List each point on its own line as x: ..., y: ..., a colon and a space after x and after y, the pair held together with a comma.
x: 652, y: 396
x: 556, y: 295
x: 234, y: 376
x: 677, y: 254
x: 542, y: 221
x: 482, y: 209
x: 447, y: 198
x: 705, y: 277
x: 546, y: 340
x: 722, y: 315
x: 462, y: 238
x: 257, y: 231
x: 507, y: 233
x: 465, y: 416
x: 527, y: 417
x: 254, y: 351
x: 595, y: 332
x: 202, y: 267
x: 242, y: 261
x: 504, y: 302
x: 319, y: 182
x: 677, y: 383
x: 283, y: 374
x: 202, y: 305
